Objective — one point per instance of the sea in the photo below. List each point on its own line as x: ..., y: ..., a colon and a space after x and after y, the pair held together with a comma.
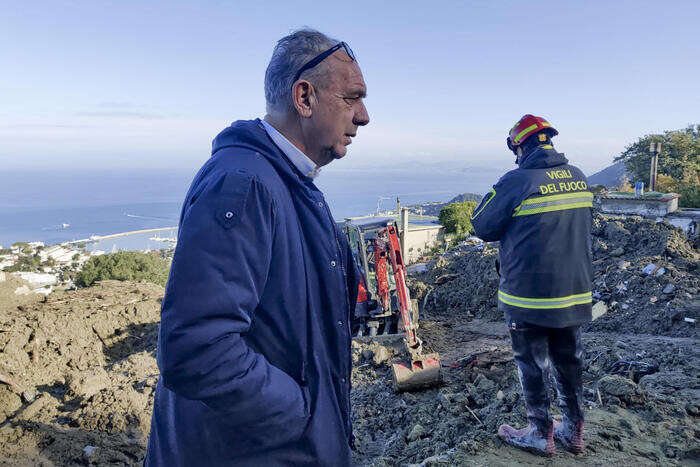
x: 74, y: 204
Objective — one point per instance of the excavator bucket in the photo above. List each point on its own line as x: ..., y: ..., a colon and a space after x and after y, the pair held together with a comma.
x: 420, y: 373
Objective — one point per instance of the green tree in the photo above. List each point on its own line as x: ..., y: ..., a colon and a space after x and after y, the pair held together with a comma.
x: 679, y: 157
x: 124, y: 266
x: 679, y: 163
x: 456, y: 218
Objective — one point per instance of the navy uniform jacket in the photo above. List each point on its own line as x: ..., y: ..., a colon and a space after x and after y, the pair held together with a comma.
x: 541, y: 214
x: 254, y: 343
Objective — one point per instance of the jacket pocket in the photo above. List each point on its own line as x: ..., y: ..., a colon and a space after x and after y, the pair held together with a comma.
x: 234, y: 194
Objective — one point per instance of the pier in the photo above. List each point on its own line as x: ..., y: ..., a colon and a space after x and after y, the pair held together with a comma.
x: 97, y: 238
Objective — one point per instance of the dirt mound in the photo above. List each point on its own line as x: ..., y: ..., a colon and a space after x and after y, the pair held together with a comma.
x: 455, y: 424
x: 647, y: 275
x: 80, y: 373
x: 463, y: 283
x: 15, y: 292
x: 653, y: 299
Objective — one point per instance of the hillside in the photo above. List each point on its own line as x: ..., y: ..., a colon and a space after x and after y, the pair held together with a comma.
x: 433, y: 209
x: 608, y: 177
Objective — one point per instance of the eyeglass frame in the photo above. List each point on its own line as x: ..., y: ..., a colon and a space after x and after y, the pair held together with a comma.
x: 322, y: 56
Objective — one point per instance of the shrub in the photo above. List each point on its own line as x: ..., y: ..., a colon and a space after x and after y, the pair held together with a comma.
x: 456, y: 218
x: 124, y: 266
x: 28, y: 263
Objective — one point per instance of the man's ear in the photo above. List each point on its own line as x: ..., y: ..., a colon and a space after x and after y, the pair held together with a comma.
x: 303, y: 96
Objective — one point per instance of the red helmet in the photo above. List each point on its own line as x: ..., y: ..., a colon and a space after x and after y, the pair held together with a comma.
x: 527, y: 126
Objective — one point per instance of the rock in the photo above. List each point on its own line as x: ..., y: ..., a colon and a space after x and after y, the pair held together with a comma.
x: 617, y: 252
x: 623, y: 265
x: 416, y: 433
x: 29, y: 395
x: 86, y: 384
x: 367, y: 354
x: 669, y: 288
x: 381, y: 355
x: 625, y: 306
x: 599, y: 309
x: 659, y: 272
x: 649, y: 269
x: 88, y: 450
x: 622, y: 388
x: 9, y: 403
x: 499, y: 395
x: 32, y: 409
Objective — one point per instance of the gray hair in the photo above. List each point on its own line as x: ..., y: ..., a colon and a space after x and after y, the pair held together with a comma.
x: 290, y: 54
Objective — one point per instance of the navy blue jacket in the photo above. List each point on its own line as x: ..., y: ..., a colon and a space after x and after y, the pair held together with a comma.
x: 541, y: 214
x: 254, y: 343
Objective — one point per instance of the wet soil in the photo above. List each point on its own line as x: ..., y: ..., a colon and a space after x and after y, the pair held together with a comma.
x: 78, y: 369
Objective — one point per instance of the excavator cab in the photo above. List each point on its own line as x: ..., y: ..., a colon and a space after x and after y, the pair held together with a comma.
x: 378, y: 309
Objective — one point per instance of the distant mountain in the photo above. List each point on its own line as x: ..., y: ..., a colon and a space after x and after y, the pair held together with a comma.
x: 433, y: 209
x: 608, y: 177
x: 465, y: 197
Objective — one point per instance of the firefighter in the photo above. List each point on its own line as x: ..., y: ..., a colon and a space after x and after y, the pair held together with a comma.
x: 541, y: 214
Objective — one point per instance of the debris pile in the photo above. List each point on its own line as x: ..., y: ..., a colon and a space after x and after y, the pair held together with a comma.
x: 645, y: 275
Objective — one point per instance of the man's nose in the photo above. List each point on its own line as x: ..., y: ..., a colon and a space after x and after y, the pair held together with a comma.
x: 361, y: 117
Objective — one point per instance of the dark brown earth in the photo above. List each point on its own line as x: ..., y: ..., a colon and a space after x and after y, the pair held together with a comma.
x: 78, y: 369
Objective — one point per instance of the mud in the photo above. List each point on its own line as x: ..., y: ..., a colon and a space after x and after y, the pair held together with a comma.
x: 84, y: 372
x: 649, y: 423
x: 78, y: 370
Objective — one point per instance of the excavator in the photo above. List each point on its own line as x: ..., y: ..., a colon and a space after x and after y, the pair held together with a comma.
x: 384, y: 305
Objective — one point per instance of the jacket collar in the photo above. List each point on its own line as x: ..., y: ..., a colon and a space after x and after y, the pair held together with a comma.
x: 251, y: 134
x: 543, y: 157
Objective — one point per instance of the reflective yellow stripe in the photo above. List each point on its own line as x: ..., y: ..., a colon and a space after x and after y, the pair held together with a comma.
x: 559, y: 207
x: 485, y: 204
x: 545, y: 123
x: 540, y: 204
x: 543, y: 307
x: 544, y: 300
x: 545, y: 303
x: 526, y: 130
x: 542, y: 199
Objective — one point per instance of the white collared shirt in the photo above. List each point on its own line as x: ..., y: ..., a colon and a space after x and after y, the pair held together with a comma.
x: 300, y: 160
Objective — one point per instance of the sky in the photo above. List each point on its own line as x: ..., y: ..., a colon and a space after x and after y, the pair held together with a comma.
x: 147, y: 85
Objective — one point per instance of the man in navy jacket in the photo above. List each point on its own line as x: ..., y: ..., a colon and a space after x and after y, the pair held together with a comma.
x: 254, y: 343
x: 541, y: 214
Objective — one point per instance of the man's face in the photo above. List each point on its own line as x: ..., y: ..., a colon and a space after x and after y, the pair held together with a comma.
x: 339, y: 109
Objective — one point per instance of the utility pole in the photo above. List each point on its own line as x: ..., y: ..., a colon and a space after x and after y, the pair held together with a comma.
x: 654, y: 149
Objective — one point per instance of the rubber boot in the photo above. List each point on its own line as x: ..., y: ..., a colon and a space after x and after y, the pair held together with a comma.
x: 529, y: 438
x: 570, y: 434
x: 566, y: 352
